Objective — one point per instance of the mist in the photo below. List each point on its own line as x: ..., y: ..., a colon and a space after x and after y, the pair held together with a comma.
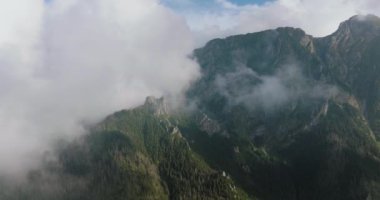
x: 270, y: 92
x: 65, y: 64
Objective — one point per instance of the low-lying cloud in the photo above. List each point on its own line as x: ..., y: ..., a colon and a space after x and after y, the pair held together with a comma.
x: 270, y: 92
x: 68, y: 63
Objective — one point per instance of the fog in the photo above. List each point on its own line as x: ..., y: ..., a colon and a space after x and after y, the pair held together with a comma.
x: 65, y: 64
x: 269, y: 92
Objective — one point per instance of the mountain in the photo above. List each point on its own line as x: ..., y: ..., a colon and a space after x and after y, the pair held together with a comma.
x: 310, y: 103
x: 133, y: 154
x: 278, y: 114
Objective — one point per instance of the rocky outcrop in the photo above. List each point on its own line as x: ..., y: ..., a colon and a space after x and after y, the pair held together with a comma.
x: 157, y: 106
x: 208, y: 125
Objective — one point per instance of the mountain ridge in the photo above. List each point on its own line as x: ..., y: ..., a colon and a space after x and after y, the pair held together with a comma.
x: 341, y: 60
x: 278, y: 114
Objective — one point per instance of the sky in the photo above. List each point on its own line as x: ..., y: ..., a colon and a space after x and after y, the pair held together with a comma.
x: 220, y: 18
x: 244, y: 2
x: 208, y: 3
x: 65, y: 64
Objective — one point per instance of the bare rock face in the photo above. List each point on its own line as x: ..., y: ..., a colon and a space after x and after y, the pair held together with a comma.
x: 157, y: 106
x: 307, y: 41
x: 208, y: 125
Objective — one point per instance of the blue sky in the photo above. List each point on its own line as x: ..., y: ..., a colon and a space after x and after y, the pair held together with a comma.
x: 244, y: 2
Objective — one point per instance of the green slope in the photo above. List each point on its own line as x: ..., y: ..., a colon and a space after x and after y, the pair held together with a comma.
x: 319, y: 142
x: 132, y: 154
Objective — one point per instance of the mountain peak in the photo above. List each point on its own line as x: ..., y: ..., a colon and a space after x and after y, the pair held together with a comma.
x: 360, y: 25
x: 155, y: 105
x: 364, y: 18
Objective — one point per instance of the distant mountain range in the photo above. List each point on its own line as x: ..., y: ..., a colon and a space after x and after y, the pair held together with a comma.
x: 277, y: 114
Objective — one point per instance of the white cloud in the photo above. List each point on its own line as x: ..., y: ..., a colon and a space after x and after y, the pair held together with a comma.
x: 270, y: 92
x: 318, y: 18
x: 73, y: 62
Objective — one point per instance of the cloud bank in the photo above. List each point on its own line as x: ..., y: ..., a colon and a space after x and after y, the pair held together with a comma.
x: 68, y: 63
x: 270, y: 92
x: 318, y: 18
